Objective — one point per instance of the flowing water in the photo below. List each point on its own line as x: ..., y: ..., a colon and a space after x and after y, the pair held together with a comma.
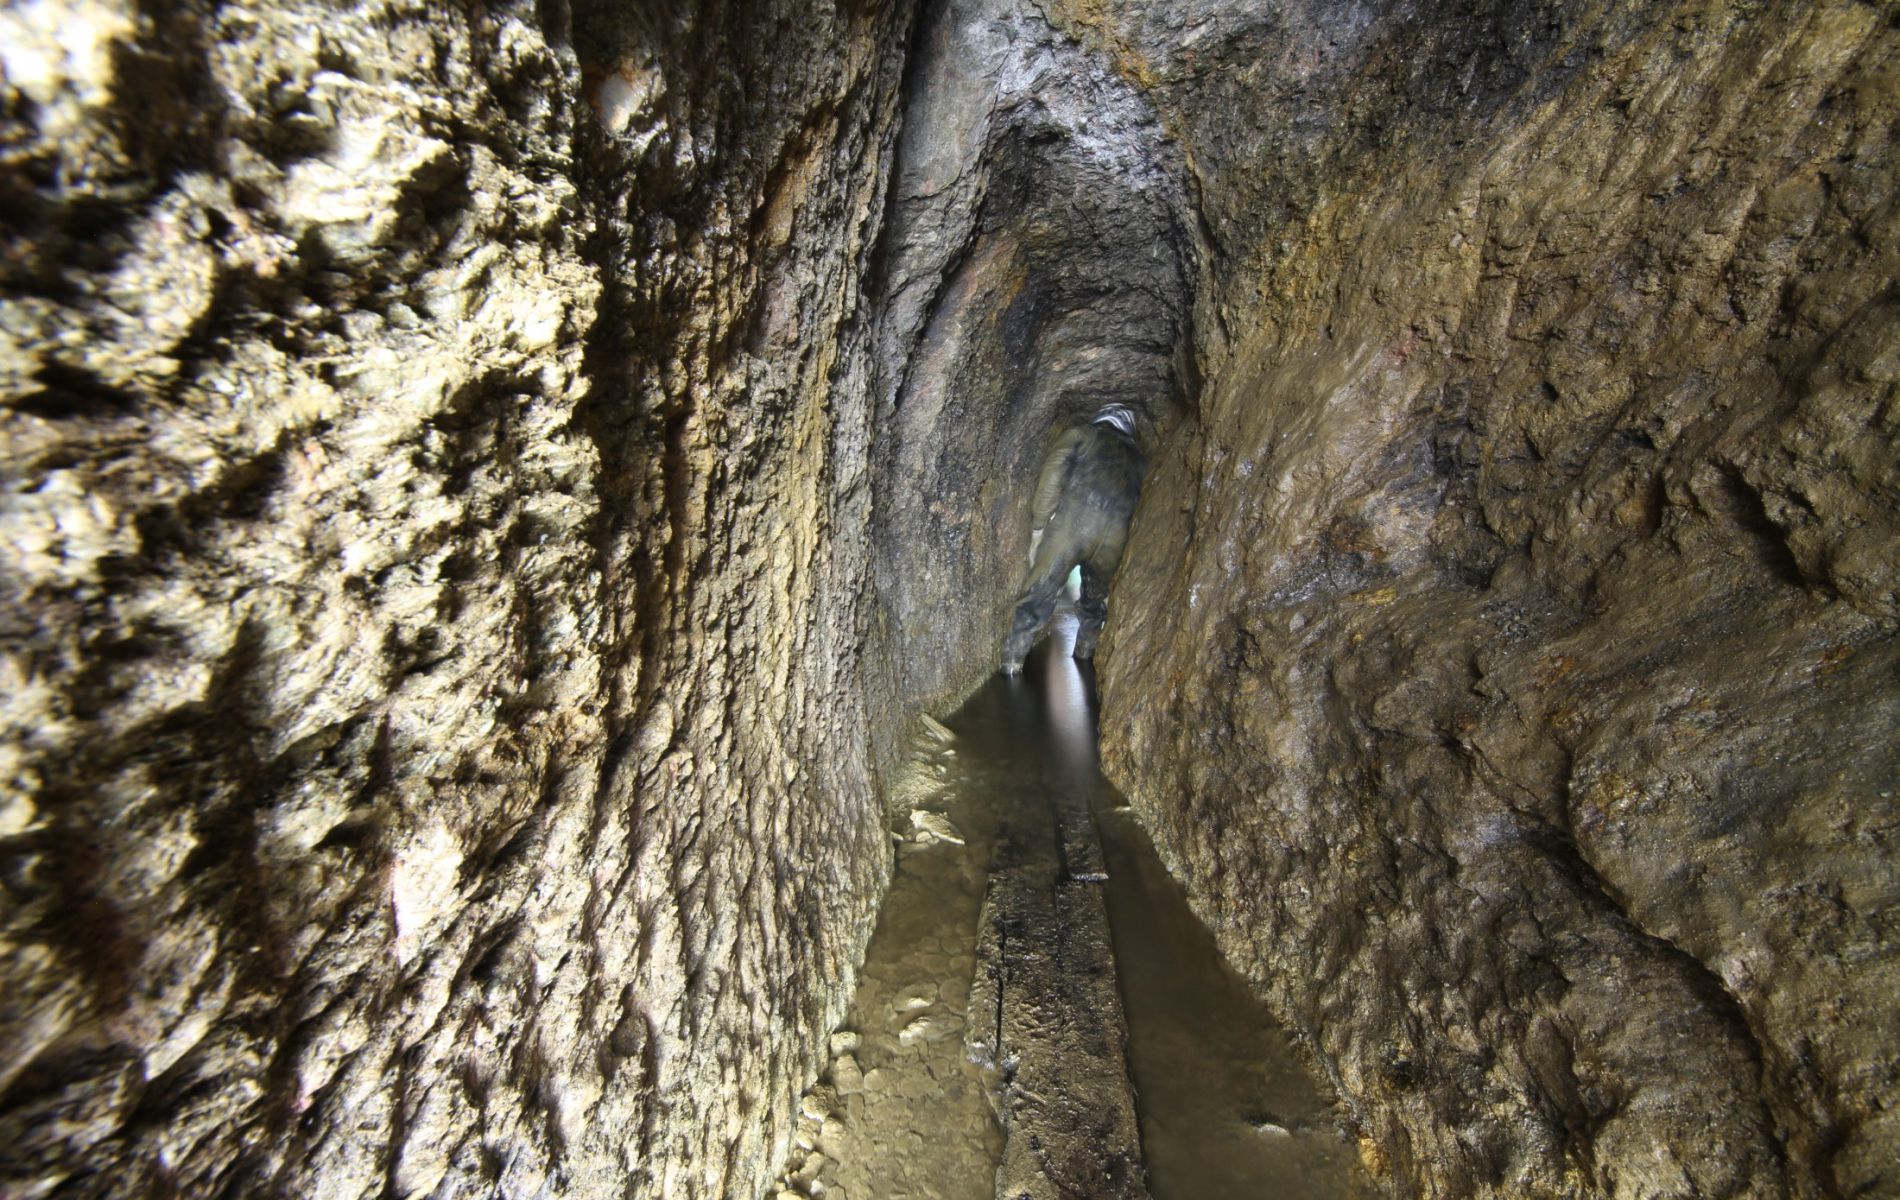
x: 1225, y: 1110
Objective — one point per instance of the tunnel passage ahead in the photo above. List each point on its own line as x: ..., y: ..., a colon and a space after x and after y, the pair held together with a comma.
x: 1503, y: 652
x: 479, y: 477
x: 1041, y: 266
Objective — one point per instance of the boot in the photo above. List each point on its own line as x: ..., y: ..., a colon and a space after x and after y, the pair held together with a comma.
x: 1022, y: 636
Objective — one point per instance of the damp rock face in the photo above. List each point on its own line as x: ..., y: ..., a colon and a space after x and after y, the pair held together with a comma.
x: 1505, y: 652
x: 432, y: 549
x: 1506, y: 655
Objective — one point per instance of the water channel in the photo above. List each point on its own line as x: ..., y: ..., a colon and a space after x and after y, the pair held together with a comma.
x: 1225, y: 1110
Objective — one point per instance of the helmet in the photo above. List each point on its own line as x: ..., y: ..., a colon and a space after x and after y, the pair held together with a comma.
x: 1118, y: 416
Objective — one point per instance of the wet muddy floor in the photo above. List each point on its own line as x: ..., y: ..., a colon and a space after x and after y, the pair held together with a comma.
x: 1225, y: 1111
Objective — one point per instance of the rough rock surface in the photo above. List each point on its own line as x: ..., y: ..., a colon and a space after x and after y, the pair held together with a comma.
x: 1506, y: 652
x: 434, y: 539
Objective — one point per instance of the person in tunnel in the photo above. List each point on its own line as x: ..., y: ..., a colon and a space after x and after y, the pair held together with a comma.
x: 1079, y: 518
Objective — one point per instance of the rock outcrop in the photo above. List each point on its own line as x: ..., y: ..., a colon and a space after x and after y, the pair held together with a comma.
x: 434, y: 760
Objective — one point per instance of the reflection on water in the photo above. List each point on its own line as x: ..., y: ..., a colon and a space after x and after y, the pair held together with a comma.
x: 1067, y: 694
x: 1225, y: 1110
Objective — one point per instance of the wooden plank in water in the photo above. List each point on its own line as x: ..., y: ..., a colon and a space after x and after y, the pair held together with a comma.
x: 1045, y: 1016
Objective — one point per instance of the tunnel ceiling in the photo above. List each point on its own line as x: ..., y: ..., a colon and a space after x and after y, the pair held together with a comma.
x: 488, y: 489
x: 1042, y: 263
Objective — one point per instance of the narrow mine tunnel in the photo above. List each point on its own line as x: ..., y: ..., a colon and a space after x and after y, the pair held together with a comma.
x: 509, y: 513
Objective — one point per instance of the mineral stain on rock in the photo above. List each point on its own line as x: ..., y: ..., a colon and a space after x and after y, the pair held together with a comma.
x: 488, y: 494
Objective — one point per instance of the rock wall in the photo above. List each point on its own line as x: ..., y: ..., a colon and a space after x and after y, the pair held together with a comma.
x: 434, y: 445
x: 1506, y: 651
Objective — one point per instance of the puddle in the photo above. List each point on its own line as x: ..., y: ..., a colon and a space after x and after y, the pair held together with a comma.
x: 1225, y: 1110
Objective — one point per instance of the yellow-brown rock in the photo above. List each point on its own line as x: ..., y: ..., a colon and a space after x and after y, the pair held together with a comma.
x: 432, y: 756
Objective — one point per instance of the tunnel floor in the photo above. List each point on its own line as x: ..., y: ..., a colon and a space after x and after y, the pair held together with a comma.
x: 1224, y: 1109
